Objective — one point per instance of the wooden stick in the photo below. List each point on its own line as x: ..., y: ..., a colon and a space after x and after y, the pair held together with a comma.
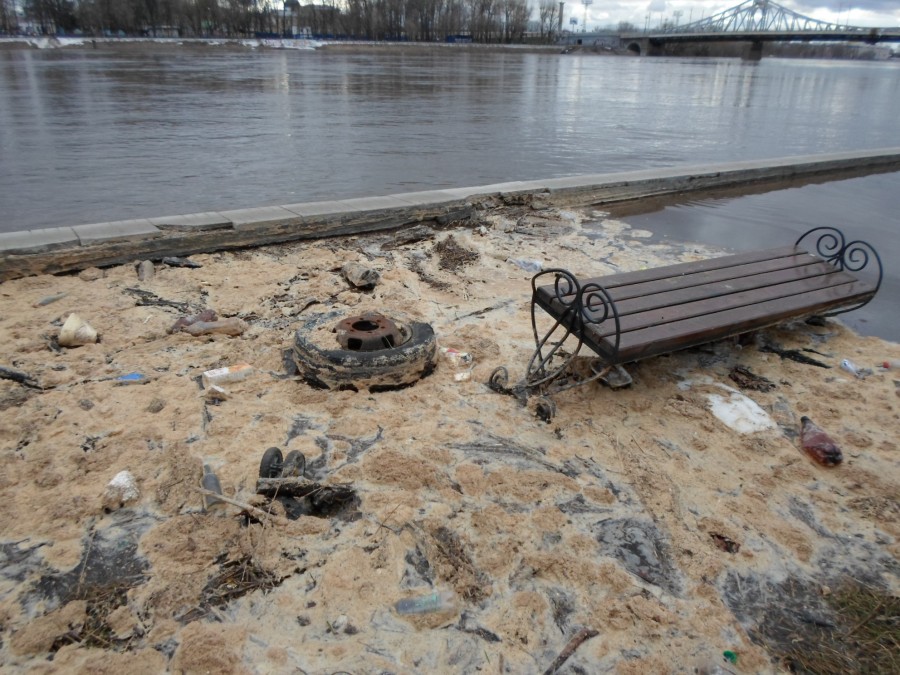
x: 249, y: 508
x: 581, y: 636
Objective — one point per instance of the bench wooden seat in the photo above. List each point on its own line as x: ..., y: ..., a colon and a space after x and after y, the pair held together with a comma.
x: 635, y: 315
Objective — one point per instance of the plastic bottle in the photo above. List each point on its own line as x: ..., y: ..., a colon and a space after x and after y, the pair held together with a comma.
x: 461, y: 363
x: 819, y: 445
x: 425, y: 604
x: 210, y: 481
x: 890, y: 364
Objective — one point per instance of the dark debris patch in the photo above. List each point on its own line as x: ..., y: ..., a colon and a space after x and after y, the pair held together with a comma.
x: 452, y: 257
x: 642, y: 549
x: 234, y: 579
x: 110, y: 566
x: 855, y: 628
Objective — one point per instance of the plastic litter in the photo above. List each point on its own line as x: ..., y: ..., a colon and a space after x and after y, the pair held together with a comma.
x: 851, y: 367
x: 220, y: 376
x: 819, y: 445
x: 145, y: 270
x: 210, y: 481
x: 730, y: 656
x: 439, y: 601
x: 120, y: 491
x: 76, y: 332
x: 49, y: 299
x: 461, y: 362
x: 132, y: 378
x: 889, y: 364
x: 532, y: 266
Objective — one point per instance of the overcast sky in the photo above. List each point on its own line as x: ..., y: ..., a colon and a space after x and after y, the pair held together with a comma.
x: 881, y: 13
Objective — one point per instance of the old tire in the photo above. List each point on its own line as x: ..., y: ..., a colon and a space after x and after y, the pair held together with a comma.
x: 379, y: 370
x: 271, y: 463
x: 294, y: 465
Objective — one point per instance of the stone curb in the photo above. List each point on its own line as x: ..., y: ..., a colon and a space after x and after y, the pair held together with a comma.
x: 63, y: 249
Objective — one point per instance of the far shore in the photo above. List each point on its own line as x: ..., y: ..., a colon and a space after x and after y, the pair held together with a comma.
x: 297, y: 44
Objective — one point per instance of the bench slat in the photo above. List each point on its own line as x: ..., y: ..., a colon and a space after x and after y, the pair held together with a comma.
x: 710, y: 305
x: 720, y: 275
x: 659, y: 294
x: 700, y: 330
x: 625, y: 278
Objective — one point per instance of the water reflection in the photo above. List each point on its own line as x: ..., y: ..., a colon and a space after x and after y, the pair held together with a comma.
x: 92, y: 135
x: 863, y: 208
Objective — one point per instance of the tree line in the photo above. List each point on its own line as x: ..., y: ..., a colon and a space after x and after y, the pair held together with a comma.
x: 506, y: 21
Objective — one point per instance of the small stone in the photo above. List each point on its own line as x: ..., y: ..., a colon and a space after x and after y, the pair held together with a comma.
x: 121, y: 491
x: 91, y: 274
x: 156, y: 405
x: 145, y: 270
x: 85, y: 404
x: 360, y: 276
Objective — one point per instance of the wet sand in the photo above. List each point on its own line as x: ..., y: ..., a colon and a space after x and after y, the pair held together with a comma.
x: 638, y: 527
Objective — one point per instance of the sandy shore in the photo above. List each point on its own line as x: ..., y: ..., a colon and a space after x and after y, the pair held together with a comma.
x: 637, y: 528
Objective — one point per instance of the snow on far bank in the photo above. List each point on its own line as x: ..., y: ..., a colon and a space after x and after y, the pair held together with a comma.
x: 53, y: 42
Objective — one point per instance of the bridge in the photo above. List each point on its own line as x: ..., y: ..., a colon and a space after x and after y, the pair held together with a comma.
x: 755, y: 22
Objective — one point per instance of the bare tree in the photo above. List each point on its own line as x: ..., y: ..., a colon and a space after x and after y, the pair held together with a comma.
x: 548, y: 18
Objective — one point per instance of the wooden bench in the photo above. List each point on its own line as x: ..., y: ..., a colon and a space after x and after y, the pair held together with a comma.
x: 636, y: 315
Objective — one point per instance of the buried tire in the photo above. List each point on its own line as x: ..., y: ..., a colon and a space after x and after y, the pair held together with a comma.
x: 408, y: 360
x: 271, y: 463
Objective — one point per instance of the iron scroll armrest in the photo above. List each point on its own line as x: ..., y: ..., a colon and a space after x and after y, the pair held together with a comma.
x: 576, y: 307
x: 852, y: 256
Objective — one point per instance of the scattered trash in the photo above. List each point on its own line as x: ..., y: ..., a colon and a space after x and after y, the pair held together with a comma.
x: 49, y: 299
x: 739, y: 412
x: 338, y: 624
x: 210, y: 481
x: 819, y: 445
x: 231, y: 326
x: 206, y: 315
x: 730, y: 656
x: 369, y: 360
x: 725, y: 543
x: 426, y: 604
x: 360, y: 276
x: 219, y: 376
x: 120, y: 491
x: 18, y: 376
x: 76, y: 332
x: 889, y: 364
x: 132, y: 378
x: 282, y: 479
x: 850, y: 367
x: 745, y: 379
x: 461, y: 362
x: 614, y: 377
x: 145, y: 270
x: 173, y: 261
x: 456, y: 358
x: 146, y: 298
x: 792, y: 354
x: 215, y: 394
x: 531, y: 266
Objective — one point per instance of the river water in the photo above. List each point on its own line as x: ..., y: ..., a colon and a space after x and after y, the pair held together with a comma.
x: 90, y: 135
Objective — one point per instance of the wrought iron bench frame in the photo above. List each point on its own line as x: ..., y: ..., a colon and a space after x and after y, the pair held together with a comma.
x: 591, y: 304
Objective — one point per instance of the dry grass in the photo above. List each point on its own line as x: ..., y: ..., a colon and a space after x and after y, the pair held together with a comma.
x: 864, y: 636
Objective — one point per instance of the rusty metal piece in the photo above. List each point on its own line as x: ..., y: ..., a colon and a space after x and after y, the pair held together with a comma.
x: 368, y: 332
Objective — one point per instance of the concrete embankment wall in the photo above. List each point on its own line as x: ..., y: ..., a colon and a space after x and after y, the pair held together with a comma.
x: 63, y: 249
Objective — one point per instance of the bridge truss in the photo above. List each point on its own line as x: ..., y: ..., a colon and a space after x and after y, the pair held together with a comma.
x: 760, y: 16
